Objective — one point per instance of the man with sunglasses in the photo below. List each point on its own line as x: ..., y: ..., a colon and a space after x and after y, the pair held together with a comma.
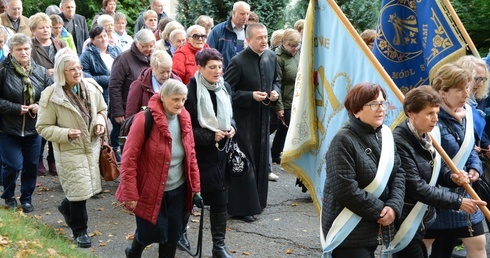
x: 228, y: 37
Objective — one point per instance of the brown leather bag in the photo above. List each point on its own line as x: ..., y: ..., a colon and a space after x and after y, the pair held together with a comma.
x: 109, y: 170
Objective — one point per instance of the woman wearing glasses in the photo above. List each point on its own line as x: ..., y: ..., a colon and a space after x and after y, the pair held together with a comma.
x: 478, y: 99
x: 453, y: 82
x: 422, y: 166
x: 365, y: 185
x: 185, y: 57
x: 288, y: 61
x: 72, y: 116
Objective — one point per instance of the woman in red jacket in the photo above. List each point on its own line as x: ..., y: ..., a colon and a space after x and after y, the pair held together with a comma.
x: 159, y: 175
x: 184, y: 58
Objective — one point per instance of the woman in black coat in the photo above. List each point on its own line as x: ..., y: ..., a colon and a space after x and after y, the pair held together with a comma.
x: 422, y: 166
x: 365, y: 185
x: 209, y: 104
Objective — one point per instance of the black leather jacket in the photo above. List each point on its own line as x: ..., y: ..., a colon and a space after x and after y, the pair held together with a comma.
x: 12, y: 98
x: 415, y: 162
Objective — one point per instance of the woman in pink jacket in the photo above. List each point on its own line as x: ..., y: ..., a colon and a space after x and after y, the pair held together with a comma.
x: 159, y: 176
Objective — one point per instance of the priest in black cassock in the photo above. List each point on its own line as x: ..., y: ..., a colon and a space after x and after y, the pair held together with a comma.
x: 252, y: 75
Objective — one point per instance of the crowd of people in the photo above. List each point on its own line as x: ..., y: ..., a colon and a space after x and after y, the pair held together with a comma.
x: 64, y: 80
x: 201, y: 88
x: 385, y: 186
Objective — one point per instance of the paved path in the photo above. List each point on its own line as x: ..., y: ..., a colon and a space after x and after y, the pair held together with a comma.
x: 288, y: 225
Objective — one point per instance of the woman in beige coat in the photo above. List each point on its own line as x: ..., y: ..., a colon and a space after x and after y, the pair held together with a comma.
x: 72, y: 116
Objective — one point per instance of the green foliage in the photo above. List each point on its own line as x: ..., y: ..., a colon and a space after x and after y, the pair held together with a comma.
x: 474, y: 15
x: 296, y: 12
x: 362, y: 14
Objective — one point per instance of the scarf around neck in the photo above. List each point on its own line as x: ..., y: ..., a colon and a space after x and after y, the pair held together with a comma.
x: 221, y: 121
x: 80, y: 101
x: 424, y: 140
x: 25, y: 72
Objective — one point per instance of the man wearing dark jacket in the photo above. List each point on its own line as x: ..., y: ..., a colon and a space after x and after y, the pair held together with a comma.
x: 228, y: 37
x: 74, y: 23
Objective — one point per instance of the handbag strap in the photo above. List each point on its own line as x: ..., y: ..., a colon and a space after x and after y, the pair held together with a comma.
x: 106, y: 131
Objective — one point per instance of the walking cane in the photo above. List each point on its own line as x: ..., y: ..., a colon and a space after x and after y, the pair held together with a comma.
x: 198, y: 253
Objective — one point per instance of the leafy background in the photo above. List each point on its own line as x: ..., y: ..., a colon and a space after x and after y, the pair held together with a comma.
x: 278, y: 14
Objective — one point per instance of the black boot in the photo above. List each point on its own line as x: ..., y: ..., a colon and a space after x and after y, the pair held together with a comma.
x: 218, y: 231
x: 183, y: 242
x: 135, y: 250
x: 167, y: 250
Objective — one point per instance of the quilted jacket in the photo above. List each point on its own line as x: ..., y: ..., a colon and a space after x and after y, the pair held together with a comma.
x: 77, y: 161
x: 418, y: 171
x: 12, y: 97
x: 350, y: 168
x: 146, y: 161
x: 452, y: 135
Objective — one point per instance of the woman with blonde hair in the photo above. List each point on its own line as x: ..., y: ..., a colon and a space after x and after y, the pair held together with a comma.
x: 205, y: 21
x: 454, y: 82
x: 72, y: 115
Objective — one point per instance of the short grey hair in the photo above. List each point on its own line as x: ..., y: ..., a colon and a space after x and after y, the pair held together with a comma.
x: 66, y: 1
x: 18, y: 39
x: 160, y: 58
x: 52, y: 9
x: 175, y: 33
x: 173, y: 87
x: 62, y: 58
x: 193, y: 27
x: 144, y: 36
x: 103, y: 19
x: 240, y: 3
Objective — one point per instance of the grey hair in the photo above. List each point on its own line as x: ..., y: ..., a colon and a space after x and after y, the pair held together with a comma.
x: 175, y: 33
x: 171, y: 26
x: 103, y: 19
x: 240, y: 3
x: 52, y: 9
x: 160, y: 58
x: 144, y: 36
x: 3, y: 31
x: 193, y: 27
x: 173, y: 87
x: 10, y: 1
x: 66, y: 1
x: 64, y: 56
x: 119, y: 16
x: 19, y: 39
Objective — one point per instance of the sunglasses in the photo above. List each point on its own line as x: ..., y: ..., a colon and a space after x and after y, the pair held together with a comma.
x: 480, y: 79
x: 197, y: 36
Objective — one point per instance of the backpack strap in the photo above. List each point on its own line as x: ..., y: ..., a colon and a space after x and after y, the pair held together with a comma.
x: 148, y: 123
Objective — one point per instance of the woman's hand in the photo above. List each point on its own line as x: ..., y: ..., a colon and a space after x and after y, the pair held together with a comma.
x: 99, y: 130
x: 274, y: 95
x: 470, y: 205
x: 387, y: 216
x: 460, y: 178
x: 219, y: 135
x: 473, y: 175
x: 33, y: 108
x: 24, y: 109
x: 130, y: 205
x: 73, y: 134
x: 231, y: 133
x: 280, y: 114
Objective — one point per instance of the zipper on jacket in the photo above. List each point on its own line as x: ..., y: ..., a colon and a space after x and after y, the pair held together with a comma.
x: 23, y: 125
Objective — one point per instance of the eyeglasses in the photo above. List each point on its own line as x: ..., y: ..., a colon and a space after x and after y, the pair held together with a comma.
x: 197, y: 36
x: 75, y: 69
x: 294, y: 46
x: 480, y: 79
x: 375, y: 106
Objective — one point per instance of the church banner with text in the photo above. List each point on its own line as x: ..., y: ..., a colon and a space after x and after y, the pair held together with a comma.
x: 333, y: 59
x: 414, y: 38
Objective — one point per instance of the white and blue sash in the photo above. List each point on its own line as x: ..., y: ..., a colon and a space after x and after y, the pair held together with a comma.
x: 468, y: 143
x: 410, y: 225
x: 346, y: 221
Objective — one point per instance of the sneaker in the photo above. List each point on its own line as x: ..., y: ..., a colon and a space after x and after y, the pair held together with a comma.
x: 273, y: 177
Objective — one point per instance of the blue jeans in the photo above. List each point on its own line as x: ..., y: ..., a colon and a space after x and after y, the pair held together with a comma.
x: 19, y: 155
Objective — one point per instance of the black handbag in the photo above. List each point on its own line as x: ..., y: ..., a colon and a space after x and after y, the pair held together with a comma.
x: 237, y: 163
